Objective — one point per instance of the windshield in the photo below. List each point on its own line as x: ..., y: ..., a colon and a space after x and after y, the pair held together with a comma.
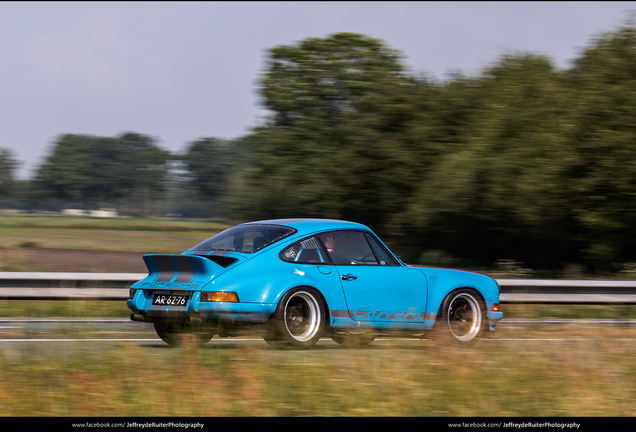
x: 245, y: 238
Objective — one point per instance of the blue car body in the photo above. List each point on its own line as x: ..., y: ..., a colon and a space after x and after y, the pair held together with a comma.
x: 238, y: 282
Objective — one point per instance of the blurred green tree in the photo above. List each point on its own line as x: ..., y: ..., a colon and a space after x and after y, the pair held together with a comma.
x: 92, y: 169
x: 208, y: 163
x: 499, y: 162
x: 604, y: 143
x: 8, y: 183
x: 323, y: 152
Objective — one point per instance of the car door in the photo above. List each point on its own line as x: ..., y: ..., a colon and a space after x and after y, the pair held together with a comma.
x: 377, y: 288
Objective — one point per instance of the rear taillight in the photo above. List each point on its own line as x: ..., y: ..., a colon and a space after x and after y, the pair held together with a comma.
x: 219, y: 296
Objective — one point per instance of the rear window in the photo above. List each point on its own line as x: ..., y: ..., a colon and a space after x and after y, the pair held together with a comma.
x: 246, y: 238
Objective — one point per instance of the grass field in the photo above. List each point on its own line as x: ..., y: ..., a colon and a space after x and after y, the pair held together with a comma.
x: 592, y: 373
x: 121, y: 234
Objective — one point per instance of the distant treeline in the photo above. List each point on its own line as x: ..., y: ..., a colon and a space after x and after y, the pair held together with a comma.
x: 523, y: 161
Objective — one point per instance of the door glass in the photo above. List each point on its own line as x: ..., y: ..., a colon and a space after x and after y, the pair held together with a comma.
x: 383, y: 255
x: 348, y: 248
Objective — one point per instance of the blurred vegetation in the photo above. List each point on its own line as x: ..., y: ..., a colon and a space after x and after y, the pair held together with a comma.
x: 590, y: 374
x: 523, y: 161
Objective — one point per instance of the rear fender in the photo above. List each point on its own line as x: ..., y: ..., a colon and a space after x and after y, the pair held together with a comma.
x: 253, y: 287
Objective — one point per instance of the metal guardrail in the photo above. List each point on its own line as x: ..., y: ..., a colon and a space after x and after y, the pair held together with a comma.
x: 115, y: 286
x: 67, y: 286
x: 557, y: 291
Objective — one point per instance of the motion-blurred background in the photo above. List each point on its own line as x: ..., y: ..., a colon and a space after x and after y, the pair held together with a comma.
x: 493, y: 136
x: 525, y: 153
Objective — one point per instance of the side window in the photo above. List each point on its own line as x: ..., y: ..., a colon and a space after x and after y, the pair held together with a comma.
x: 383, y: 255
x: 252, y: 241
x: 307, y: 251
x: 348, y: 247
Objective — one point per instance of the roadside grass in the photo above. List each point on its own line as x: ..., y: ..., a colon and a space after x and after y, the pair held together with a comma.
x: 564, y: 311
x: 63, y: 309
x: 595, y: 376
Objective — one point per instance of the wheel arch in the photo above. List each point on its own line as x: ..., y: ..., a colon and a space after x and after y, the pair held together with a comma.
x: 300, y: 318
x: 437, y: 299
x: 442, y: 330
x: 325, y: 303
x: 472, y: 288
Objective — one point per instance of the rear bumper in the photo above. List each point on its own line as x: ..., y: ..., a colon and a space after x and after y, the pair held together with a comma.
x: 141, y: 304
x: 249, y: 312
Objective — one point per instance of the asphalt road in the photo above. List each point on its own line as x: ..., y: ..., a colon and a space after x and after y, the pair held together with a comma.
x: 111, y: 330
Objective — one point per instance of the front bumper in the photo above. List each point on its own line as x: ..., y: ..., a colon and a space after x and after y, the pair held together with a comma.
x: 493, y: 318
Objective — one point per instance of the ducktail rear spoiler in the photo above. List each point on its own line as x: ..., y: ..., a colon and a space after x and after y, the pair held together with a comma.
x: 178, y: 272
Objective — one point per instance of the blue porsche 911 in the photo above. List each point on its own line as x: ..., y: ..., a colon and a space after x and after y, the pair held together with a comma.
x: 297, y: 280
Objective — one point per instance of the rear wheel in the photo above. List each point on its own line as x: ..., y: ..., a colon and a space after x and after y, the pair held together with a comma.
x: 462, y: 318
x: 176, y: 334
x: 351, y: 340
x: 299, y: 319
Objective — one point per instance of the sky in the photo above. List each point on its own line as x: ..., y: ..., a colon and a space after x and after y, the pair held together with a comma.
x: 180, y: 71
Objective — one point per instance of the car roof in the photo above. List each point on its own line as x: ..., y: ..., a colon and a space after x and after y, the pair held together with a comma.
x: 305, y: 225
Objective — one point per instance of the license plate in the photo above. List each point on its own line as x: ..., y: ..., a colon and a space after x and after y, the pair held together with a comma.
x: 170, y: 300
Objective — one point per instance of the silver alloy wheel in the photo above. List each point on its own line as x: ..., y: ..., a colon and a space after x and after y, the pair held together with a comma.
x: 464, y: 317
x: 302, y: 316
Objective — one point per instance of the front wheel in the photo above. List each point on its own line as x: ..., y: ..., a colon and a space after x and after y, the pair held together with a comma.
x: 462, y: 318
x: 299, y: 319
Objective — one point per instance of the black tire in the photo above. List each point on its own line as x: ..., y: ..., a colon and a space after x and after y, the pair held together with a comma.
x: 175, y: 334
x: 461, y: 319
x: 167, y: 333
x: 299, y: 319
x: 204, y: 335
x: 353, y: 340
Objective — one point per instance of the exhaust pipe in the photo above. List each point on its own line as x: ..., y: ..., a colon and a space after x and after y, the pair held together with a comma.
x: 194, y: 320
x: 134, y: 317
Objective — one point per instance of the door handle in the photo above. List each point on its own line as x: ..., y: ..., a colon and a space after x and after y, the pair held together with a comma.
x: 349, y: 277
